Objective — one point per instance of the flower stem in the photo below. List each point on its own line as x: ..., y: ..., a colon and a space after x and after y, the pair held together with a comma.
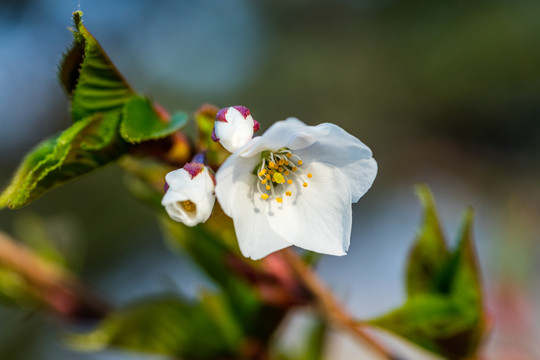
x: 56, y: 287
x: 329, y: 305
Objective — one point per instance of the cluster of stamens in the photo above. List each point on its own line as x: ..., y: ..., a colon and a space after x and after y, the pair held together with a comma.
x: 279, y: 168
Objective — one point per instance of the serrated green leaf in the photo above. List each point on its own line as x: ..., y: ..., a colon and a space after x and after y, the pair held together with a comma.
x: 88, y: 144
x: 89, y: 76
x: 142, y: 123
x: 168, y: 325
x: 430, y: 251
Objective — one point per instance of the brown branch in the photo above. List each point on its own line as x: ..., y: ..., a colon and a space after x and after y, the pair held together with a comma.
x: 330, y: 306
x: 55, y: 287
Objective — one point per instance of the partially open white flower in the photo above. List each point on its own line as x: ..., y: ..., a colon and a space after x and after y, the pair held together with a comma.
x: 189, y: 196
x: 294, y: 186
x: 234, y: 127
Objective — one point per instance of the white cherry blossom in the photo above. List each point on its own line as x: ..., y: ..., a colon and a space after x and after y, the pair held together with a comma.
x: 294, y: 185
x: 190, y: 196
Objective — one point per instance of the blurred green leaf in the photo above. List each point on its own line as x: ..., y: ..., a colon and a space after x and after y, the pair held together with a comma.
x: 444, y: 310
x: 15, y: 290
x: 215, y: 259
x: 432, y: 322
x: 430, y: 250
x: 168, y: 325
x: 231, y: 273
x: 88, y: 144
x: 32, y: 230
x: 142, y: 123
x: 90, y: 77
x: 146, y: 178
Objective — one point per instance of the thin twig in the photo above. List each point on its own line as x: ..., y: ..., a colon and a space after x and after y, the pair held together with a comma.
x: 330, y: 306
x: 56, y: 287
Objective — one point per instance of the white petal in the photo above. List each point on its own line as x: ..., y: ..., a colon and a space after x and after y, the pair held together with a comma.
x: 236, y: 132
x: 179, y: 176
x: 199, y: 190
x: 326, y: 143
x: 318, y: 217
x: 249, y: 212
x: 280, y: 134
x: 227, y: 177
x: 335, y: 146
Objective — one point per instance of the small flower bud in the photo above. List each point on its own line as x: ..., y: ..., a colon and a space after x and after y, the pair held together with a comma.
x: 189, y: 196
x: 234, y: 127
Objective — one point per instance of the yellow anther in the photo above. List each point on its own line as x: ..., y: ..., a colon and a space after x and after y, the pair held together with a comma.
x: 267, y: 187
x: 264, y: 196
x: 305, y: 185
x: 288, y: 193
x: 278, y: 178
x: 289, y: 181
x: 300, y: 162
x: 286, y: 172
x: 310, y: 175
x: 262, y: 172
x: 271, y: 164
x: 270, y: 172
x: 267, y: 177
x: 263, y: 181
x: 280, y: 169
x: 286, y: 162
x: 294, y: 168
x: 279, y: 200
x: 289, y: 155
x: 281, y: 161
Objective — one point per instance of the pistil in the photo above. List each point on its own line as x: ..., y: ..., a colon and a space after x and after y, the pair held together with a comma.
x: 281, y: 168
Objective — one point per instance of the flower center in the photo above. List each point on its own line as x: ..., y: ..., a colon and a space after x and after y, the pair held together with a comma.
x: 188, y: 205
x: 278, y: 171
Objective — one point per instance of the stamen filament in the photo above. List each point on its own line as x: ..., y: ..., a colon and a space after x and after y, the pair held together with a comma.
x: 281, y: 168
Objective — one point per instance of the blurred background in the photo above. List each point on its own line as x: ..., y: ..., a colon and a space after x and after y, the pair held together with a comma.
x: 444, y: 92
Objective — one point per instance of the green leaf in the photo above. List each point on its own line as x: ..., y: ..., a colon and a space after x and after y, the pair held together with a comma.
x: 168, y: 325
x: 89, y: 76
x: 142, y: 123
x: 214, y: 258
x: 88, y: 144
x: 467, y: 274
x: 430, y: 251
x: 444, y: 310
x: 467, y: 284
x: 229, y: 271
x: 434, y: 322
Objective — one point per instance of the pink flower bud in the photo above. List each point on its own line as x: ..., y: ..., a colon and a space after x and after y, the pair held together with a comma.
x: 234, y: 127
